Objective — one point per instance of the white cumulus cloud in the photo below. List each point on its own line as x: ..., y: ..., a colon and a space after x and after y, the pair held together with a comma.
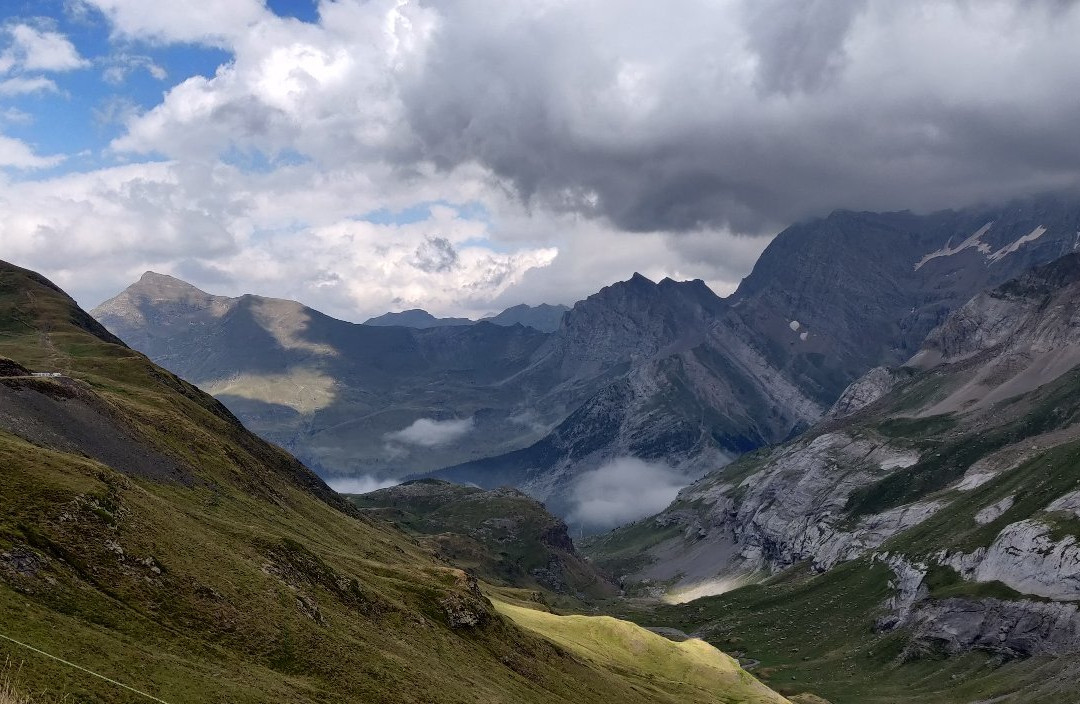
x: 34, y: 49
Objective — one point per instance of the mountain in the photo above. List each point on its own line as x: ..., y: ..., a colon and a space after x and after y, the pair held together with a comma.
x: 349, y: 400
x: 415, y: 318
x: 501, y: 535
x: 667, y: 389
x: 663, y: 372
x: 147, y: 536
x: 544, y: 317
x: 937, y: 504
x: 697, y: 380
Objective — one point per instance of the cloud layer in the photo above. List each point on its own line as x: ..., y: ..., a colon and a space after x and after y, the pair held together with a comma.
x: 558, y: 145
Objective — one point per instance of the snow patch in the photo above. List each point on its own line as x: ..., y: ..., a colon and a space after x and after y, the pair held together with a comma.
x: 1030, y: 237
x: 974, y: 241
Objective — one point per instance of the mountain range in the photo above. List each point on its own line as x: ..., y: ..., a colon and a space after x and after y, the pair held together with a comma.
x: 667, y: 373
x: 544, y: 317
x: 152, y: 547
x: 910, y: 536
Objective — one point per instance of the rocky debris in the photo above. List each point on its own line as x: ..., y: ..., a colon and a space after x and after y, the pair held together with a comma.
x: 310, y: 608
x: 467, y: 607
x: 25, y: 570
x: 302, y: 571
x: 794, y: 508
x: 865, y: 390
x: 69, y: 417
x: 462, y: 612
x: 791, y: 509
x: 552, y: 576
x: 1015, y: 338
x: 995, y: 510
x: 22, y: 561
x: 909, y: 586
x: 1013, y: 628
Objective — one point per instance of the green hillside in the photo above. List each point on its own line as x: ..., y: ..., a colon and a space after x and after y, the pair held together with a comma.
x: 502, y: 535
x: 147, y: 536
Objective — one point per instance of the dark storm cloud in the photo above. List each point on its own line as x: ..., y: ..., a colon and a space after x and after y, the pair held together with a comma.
x: 799, y: 44
x: 749, y: 115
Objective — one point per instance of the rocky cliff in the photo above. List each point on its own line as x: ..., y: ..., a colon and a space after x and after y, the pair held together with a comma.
x: 961, y: 464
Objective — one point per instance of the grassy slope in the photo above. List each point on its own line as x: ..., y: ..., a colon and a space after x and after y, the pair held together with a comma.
x: 680, y: 673
x: 815, y: 633
x: 244, y: 586
x: 504, y: 536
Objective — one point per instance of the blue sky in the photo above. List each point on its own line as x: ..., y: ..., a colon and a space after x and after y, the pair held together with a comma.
x: 85, y: 112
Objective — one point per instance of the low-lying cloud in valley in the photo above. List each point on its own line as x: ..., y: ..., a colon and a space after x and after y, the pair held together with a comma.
x: 622, y: 490
x: 359, y: 485
x: 428, y: 432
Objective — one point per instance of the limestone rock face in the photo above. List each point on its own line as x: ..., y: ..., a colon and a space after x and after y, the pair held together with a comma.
x: 1026, y: 557
x: 1012, y: 628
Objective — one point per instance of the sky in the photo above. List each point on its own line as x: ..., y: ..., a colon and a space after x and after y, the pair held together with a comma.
x: 463, y: 156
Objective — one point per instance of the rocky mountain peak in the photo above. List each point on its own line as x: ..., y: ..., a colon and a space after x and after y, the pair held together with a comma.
x: 164, y: 287
x: 160, y: 301
x: 636, y: 319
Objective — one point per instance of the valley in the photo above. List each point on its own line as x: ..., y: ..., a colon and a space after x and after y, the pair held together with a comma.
x: 607, y: 352
x: 148, y: 536
x: 923, y: 511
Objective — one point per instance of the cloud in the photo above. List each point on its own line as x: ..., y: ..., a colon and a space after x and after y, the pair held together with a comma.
x: 20, y: 85
x: 43, y: 50
x: 17, y: 154
x: 428, y: 432
x: 435, y: 254
x: 15, y: 116
x: 359, y: 485
x: 599, y: 137
x: 122, y: 65
x: 215, y: 23
x: 622, y: 490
